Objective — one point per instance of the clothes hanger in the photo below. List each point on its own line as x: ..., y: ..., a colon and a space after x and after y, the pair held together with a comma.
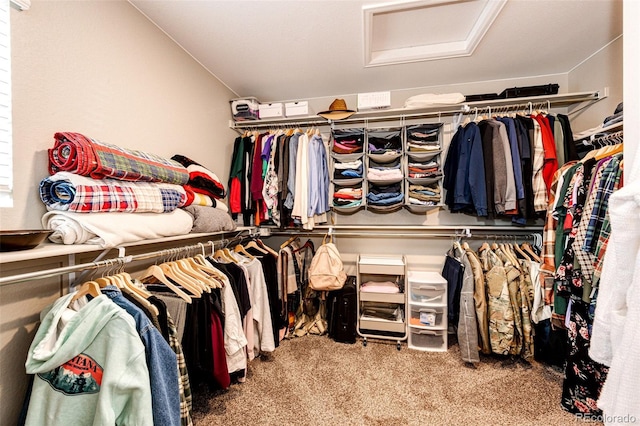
x: 254, y: 245
x: 156, y: 272
x: 289, y: 241
x: 171, y: 271
x: 91, y: 288
x: 203, y: 280
x: 266, y: 247
x: 239, y: 248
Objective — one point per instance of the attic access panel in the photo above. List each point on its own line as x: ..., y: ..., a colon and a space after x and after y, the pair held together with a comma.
x: 414, y: 31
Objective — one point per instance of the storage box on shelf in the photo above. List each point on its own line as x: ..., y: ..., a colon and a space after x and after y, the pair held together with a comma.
x: 299, y: 108
x: 274, y: 110
x: 428, y: 311
x: 243, y: 109
x: 382, y: 298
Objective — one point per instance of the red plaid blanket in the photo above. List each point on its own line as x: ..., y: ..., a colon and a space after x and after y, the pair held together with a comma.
x: 76, y: 153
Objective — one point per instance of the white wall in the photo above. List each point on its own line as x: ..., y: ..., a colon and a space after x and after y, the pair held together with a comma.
x: 102, y: 69
x: 603, y: 69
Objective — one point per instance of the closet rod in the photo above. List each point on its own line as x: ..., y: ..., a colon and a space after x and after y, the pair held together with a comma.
x: 409, y: 235
x: 121, y: 260
x: 414, y: 228
x: 401, y: 113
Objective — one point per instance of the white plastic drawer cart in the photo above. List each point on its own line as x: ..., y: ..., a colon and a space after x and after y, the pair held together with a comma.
x: 427, y: 306
x: 382, y: 303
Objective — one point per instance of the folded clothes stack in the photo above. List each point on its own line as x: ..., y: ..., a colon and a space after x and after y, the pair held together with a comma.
x: 347, y: 197
x: 423, y: 138
x: 424, y: 195
x: 133, y: 195
x: 348, y: 170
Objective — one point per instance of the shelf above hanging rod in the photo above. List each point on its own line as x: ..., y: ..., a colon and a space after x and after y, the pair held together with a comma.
x: 123, y: 260
x: 561, y: 100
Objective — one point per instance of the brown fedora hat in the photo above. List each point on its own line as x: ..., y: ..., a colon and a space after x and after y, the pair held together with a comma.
x: 337, y: 111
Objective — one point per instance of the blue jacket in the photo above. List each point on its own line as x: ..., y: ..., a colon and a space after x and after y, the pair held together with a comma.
x: 161, y: 362
x: 464, y: 172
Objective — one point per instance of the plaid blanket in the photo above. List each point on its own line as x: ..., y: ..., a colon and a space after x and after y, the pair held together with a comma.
x: 70, y: 192
x: 76, y: 153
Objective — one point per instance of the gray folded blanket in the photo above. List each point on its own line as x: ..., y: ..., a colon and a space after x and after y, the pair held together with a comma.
x: 210, y: 219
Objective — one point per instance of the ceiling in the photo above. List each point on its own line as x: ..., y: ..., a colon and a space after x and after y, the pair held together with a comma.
x: 296, y: 49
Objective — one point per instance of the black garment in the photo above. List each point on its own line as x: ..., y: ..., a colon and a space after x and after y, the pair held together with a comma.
x: 486, y: 133
x: 451, y: 167
x: 453, y: 272
x: 385, y: 189
x: 523, y: 124
x: 238, y: 284
x: 584, y: 377
x: 270, y: 270
x: 550, y: 344
x: 162, y: 316
x: 570, y: 151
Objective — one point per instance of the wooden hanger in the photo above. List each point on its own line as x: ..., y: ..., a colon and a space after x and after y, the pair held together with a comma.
x: 239, y: 248
x: 266, y: 247
x: 521, y: 252
x: 289, y: 241
x: 91, y: 288
x: 254, y: 245
x: 171, y: 271
x: 527, y: 248
x: 156, y: 272
x: 203, y: 280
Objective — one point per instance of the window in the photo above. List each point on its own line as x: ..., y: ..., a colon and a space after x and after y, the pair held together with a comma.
x: 6, y: 157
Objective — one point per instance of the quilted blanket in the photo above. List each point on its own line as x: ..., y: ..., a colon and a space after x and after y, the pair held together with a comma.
x: 70, y: 192
x: 76, y: 153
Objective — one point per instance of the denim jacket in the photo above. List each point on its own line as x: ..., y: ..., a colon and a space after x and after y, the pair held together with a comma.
x: 161, y: 362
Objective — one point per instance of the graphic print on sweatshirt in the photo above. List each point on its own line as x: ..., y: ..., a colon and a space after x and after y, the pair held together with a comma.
x: 80, y: 375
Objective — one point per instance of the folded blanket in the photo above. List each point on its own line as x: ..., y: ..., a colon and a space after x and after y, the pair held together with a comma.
x: 208, y: 219
x: 71, y: 192
x: 201, y: 180
x: 195, y: 199
x: 76, y: 153
x: 114, y: 229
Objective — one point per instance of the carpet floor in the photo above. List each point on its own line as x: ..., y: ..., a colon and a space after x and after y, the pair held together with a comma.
x: 315, y: 381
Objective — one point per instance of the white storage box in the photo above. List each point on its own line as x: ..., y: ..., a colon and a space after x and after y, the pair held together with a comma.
x: 427, y: 340
x: 428, y: 316
x: 275, y: 110
x: 374, y: 100
x: 296, y: 108
x: 427, y: 287
x: 244, y: 109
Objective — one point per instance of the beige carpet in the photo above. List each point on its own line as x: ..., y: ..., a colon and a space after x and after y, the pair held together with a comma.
x: 315, y: 381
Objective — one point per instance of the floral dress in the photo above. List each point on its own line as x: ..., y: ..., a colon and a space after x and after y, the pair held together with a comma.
x: 583, y: 377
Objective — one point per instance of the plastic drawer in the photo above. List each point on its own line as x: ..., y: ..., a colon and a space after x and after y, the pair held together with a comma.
x: 428, y: 316
x: 433, y: 294
x: 427, y: 340
x: 427, y: 287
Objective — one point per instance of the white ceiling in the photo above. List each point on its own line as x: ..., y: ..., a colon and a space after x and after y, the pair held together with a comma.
x: 297, y: 49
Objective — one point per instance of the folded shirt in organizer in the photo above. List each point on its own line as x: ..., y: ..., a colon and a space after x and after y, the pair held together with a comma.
x: 347, y: 203
x: 386, y: 199
x: 66, y: 191
x: 348, y: 193
x: 413, y: 146
x: 346, y: 147
x: 374, y: 174
x: 348, y: 165
x: 433, y: 190
x: 380, y: 287
x: 385, y: 189
x: 432, y: 163
x: 417, y: 202
x: 348, y: 173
